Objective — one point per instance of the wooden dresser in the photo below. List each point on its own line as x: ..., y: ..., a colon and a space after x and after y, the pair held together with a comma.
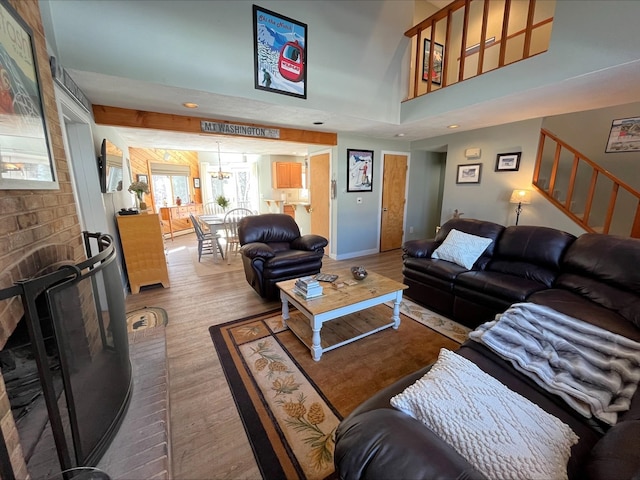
x: 143, y: 249
x: 177, y: 218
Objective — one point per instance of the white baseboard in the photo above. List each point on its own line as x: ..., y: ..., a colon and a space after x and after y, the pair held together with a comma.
x: 361, y: 253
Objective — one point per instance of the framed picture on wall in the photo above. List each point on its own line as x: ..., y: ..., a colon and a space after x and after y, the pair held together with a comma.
x: 141, y: 177
x: 624, y: 136
x: 508, y: 162
x: 469, y: 173
x: 438, y: 60
x: 26, y: 161
x: 280, y: 53
x: 359, y: 170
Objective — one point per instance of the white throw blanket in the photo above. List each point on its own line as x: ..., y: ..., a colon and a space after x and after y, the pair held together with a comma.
x: 594, y: 370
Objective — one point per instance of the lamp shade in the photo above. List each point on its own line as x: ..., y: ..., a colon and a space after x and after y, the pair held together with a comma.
x: 521, y: 196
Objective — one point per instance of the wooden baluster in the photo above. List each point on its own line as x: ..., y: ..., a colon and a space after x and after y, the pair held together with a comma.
x: 612, y: 206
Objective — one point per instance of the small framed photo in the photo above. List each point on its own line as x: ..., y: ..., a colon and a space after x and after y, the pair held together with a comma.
x: 624, y: 136
x: 469, y: 173
x: 438, y: 61
x: 359, y: 170
x: 142, y: 178
x: 508, y: 162
x: 196, y: 182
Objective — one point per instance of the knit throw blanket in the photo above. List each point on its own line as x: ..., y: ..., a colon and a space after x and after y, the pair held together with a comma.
x: 499, y: 432
x: 595, y: 371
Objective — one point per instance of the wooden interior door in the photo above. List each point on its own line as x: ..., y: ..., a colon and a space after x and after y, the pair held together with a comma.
x: 319, y: 193
x: 394, y: 180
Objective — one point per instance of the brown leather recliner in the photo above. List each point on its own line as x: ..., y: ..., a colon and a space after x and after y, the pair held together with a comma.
x: 273, y: 250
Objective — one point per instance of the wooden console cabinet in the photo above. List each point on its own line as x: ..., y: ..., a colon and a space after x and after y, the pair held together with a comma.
x: 177, y: 218
x: 143, y: 249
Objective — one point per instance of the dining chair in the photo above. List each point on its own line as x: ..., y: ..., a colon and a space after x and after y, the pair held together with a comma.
x: 212, y: 208
x: 231, y: 220
x: 206, y: 240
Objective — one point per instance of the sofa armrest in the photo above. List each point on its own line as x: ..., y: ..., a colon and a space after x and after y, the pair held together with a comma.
x: 309, y: 242
x: 419, y: 248
x: 257, y: 249
x: 386, y: 443
x: 615, y: 456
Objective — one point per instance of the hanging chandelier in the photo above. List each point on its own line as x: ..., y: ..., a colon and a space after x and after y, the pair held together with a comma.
x: 221, y: 175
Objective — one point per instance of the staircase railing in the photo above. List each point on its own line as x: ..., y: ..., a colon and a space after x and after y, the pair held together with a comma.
x: 483, y: 34
x: 590, y: 195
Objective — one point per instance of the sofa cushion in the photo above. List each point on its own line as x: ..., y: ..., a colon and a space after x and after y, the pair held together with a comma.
x: 461, y: 248
x: 519, y: 252
x: 510, y: 287
x: 601, y: 268
x: 440, y: 269
x: 615, y: 456
x: 581, y: 307
x: 472, y: 226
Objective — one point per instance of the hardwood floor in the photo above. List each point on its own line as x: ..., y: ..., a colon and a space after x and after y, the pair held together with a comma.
x: 207, y: 437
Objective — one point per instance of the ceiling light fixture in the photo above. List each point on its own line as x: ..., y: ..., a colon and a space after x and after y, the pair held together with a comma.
x: 190, y: 105
x: 400, y: 134
x: 453, y: 126
x: 221, y: 175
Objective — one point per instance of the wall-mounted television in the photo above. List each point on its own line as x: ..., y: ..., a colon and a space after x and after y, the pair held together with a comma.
x: 110, y: 167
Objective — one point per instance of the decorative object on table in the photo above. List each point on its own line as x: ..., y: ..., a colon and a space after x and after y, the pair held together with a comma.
x: 624, y: 136
x: 326, y: 277
x: 178, y: 201
x: 223, y: 202
x: 196, y: 182
x: 438, y: 61
x: 456, y: 214
x: 508, y: 162
x: 521, y: 197
x: 308, y: 287
x: 23, y: 120
x: 280, y: 53
x: 139, y: 188
x: 359, y: 273
x: 359, y: 170
x: 469, y: 173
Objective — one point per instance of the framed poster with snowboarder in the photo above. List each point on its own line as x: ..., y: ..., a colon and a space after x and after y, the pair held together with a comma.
x: 360, y: 170
x: 280, y: 53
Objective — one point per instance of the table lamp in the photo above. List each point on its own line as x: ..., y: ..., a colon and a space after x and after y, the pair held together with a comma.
x: 521, y: 197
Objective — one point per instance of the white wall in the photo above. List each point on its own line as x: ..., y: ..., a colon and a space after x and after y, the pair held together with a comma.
x: 489, y: 200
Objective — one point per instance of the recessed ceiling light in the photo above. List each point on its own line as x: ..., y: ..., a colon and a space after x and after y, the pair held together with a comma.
x: 318, y: 123
x: 453, y: 126
x: 400, y: 134
x: 190, y: 105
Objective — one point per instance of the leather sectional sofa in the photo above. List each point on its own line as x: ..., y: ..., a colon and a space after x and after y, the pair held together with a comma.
x: 594, y: 278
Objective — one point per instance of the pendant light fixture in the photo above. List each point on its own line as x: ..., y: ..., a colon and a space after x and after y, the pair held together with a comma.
x: 221, y: 175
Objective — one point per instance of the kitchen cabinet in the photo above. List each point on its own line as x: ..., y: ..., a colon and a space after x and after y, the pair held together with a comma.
x: 143, y: 250
x: 287, y: 175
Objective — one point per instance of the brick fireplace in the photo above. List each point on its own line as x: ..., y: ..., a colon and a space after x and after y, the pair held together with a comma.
x: 38, y: 228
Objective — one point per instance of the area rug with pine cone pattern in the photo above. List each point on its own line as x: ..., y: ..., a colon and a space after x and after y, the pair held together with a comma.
x: 290, y: 405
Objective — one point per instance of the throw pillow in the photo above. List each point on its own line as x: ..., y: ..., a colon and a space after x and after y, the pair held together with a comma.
x: 461, y: 248
x: 498, y: 431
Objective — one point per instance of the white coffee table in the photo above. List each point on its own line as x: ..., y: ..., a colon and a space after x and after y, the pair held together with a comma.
x: 336, y: 303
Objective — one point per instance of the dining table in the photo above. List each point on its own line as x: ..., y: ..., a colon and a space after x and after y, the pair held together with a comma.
x: 215, y: 223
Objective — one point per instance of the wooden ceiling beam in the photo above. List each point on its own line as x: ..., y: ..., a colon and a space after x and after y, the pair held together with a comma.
x: 124, y: 117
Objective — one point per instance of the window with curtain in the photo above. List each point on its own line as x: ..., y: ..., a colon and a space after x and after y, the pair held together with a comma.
x: 168, y: 182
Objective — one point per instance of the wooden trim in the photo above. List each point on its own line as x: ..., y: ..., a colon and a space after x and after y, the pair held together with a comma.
x: 439, y: 15
x: 635, y: 229
x: 447, y: 41
x: 505, y: 31
x: 590, y: 195
x: 611, y: 208
x: 124, y: 117
x: 465, y: 29
x: 529, y: 29
x: 572, y: 181
x: 483, y: 36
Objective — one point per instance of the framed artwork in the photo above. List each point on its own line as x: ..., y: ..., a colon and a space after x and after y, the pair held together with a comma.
x: 438, y: 60
x: 624, y: 136
x: 142, y: 178
x: 280, y: 53
x: 469, y: 173
x: 508, y: 162
x: 196, y: 182
x: 25, y: 159
x: 359, y: 170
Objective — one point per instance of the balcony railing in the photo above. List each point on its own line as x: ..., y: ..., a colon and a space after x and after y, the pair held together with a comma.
x: 472, y: 37
x: 590, y: 195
